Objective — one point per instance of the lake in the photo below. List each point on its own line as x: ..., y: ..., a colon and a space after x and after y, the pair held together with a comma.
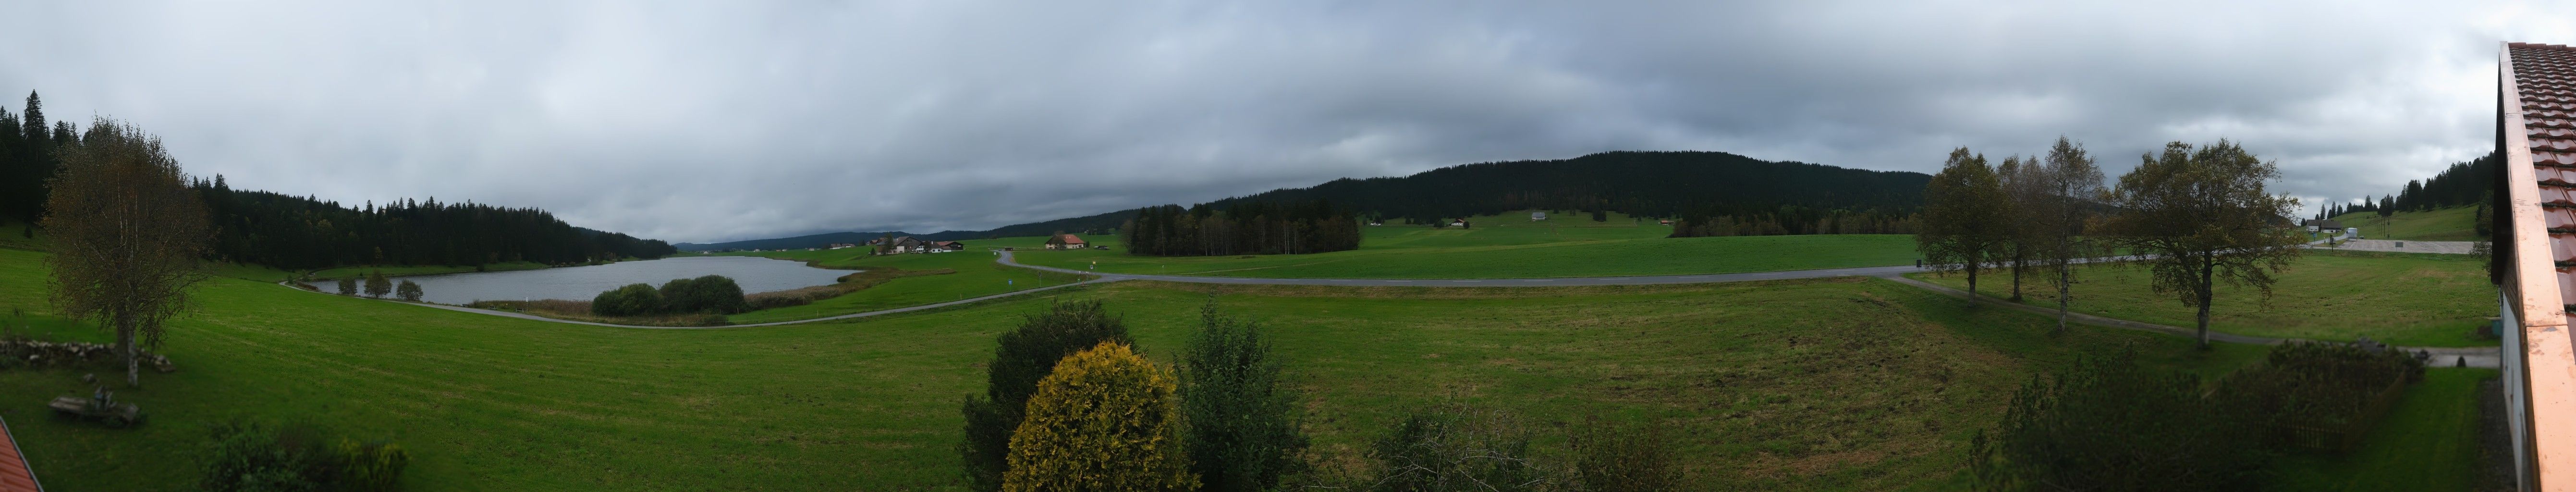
x: 581, y: 283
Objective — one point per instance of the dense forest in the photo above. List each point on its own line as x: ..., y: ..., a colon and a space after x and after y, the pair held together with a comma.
x: 2464, y: 183
x: 1242, y: 228
x: 302, y: 233
x: 27, y: 158
x: 1793, y: 219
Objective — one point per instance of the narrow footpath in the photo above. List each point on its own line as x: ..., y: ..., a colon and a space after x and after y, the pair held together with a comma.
x: 2441, y: 356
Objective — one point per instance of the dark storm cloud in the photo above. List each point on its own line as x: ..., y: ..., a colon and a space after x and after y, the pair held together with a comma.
x: 714, y: 121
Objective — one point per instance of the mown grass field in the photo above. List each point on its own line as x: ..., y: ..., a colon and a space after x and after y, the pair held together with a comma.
x: 1513, y: 247
x: 977, y: 275
x: 2408, y: 299
x: 2448, y: 224
x: 1842, y: 384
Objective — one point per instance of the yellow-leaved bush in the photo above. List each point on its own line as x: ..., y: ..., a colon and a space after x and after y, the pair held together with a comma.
x: 1105, y: 420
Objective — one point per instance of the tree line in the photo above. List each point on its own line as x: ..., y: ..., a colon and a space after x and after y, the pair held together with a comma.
x: 295, y: 232
x: 27, y: 161
x: 1793, y: 219
x: 2193, y: 216
x: 1242, y: 228
x: 2464, y: 183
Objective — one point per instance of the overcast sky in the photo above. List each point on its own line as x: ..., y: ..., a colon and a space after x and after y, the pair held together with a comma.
x: 708, y: 121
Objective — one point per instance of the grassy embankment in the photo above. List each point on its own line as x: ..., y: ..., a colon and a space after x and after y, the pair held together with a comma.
x: 1843, y: 384
x: 2447, y: 224
x: 2409, y: 299
x: 1511, y: 246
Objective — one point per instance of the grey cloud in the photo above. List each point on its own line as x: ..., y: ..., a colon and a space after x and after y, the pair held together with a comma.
x: 717, y: 121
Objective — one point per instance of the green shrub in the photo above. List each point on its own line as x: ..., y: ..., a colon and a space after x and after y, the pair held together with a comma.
x: 2105, y: 423
x: 377, y: 285
x: 713, y: 294
x: 1024, y: 356
x: 1244, y: 423
x: 2317, y: 384
x: 1456, y: 447
x: 1609, y: 458
x: 631, y: 300
x: 348, y: 286
x: 251, y: 457
x: 408, y: 291
x: 1105, y: 420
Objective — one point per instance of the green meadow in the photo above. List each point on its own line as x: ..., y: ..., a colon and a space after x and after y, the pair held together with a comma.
x: 976, y: 275
x: 2409, y: 299
x: 1511, y: 246
x: 1842, y: 384
x: 2448, y: 224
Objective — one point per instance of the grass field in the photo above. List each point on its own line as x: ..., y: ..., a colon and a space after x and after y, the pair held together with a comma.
x: 2428, y: 442
x: 2400, y: 298
x: 1842, y: 384
x: 2448, y: 224
x: 1502, y: 248
x: 977, y: 276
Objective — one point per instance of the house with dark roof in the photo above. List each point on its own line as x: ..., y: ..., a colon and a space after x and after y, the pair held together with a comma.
x: 1065, y: 241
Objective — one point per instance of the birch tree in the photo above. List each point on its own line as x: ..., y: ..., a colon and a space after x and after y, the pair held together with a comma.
x: 2066, y: 186
x: 127, y: 233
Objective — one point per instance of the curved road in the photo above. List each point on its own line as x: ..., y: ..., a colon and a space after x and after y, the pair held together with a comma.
x: 2472, y: 356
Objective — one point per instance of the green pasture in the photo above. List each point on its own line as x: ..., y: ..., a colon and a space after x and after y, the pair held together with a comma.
x: 977, y: 276
x: 1883, y: 382
x: 2448, y: 224
x: 1525, y: 250
x: 2401, y: 298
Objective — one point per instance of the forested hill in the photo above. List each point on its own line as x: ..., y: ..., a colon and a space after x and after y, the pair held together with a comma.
x: 1653, y: 184
x: 1650, y: 184
x: 302, y: 233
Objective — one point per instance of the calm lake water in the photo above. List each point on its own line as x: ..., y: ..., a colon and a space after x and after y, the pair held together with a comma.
x: 581, y: 283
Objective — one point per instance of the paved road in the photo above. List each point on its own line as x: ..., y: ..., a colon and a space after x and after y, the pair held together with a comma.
x: 2442, y: 247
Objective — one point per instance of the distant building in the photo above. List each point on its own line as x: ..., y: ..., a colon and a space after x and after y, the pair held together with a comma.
x: 1664, y: 221
x: 1065, y: 241
x: 906, y: 244
x: 947, y: 246
x: 842, y: 245
x: 1538, y: 216
x: 2327, y: 225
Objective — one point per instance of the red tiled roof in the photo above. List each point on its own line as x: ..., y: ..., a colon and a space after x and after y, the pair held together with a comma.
x: 14, y: 475
x: 1069, y: 239
x: 2536, y: 244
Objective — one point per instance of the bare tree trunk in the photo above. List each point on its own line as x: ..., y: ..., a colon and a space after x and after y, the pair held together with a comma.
x: 1972, y: 284
x: 2064, y: 284
x: 2019, y: 258
x: 2208, y: 267
x: 125, y: 343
